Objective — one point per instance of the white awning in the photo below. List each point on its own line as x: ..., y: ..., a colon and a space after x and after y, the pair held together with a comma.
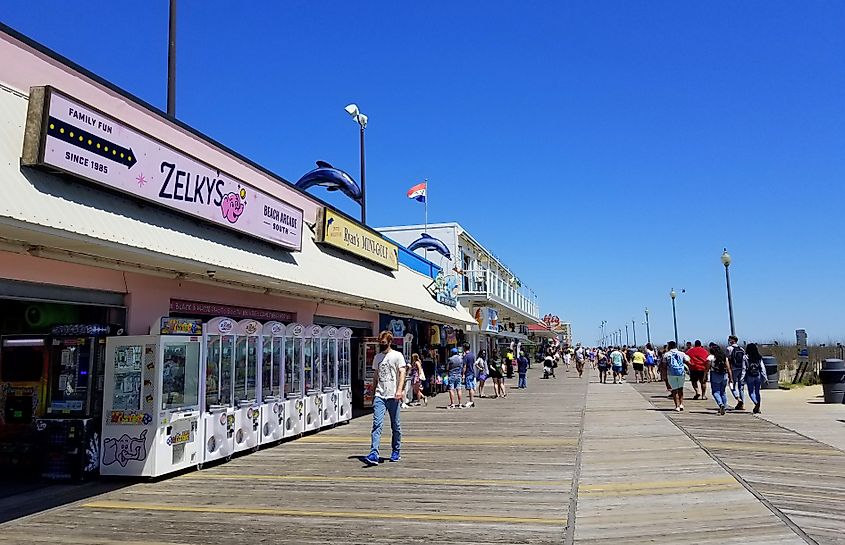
x: 62, y: 218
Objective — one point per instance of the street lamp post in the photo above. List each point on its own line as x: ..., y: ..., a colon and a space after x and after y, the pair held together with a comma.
x: 361, y: 119
x: 634, y: 329
x: 647, y: 328
x: 672, y: 294
x: 627, y: 339
x: 726, y: 261
x: 171, y: 62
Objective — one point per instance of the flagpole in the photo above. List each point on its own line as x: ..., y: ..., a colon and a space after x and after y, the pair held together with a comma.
x: 426, y: 204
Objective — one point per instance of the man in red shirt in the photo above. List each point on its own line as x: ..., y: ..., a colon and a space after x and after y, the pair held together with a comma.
x: 698, y: 368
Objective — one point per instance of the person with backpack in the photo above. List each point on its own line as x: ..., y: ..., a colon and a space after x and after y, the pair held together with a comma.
x: 650, y: 363
x: 737, y: 359
x: 603, y: 364
x: 720, y: 376
x: 675, y: 361
x: 755, y: 374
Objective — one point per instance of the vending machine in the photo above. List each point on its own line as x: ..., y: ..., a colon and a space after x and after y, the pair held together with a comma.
x: 344, y: 374
x: 311, y: 363
x: 293, y: 386
x: 218, y: 414
x: 272, y: 369
x: 247, y: 367
x: 328, y: 376
x: 68, y: 433
x: 151, y: 418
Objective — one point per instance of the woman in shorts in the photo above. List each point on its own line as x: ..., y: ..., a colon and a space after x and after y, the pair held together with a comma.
x: 417, y: 378
x: 603, y: 364
x: 482, y: 371
x: 497, y: 374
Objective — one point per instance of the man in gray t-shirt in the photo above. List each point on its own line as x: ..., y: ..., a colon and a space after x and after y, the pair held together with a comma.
x: 455, y: 369
x: 388, y: 379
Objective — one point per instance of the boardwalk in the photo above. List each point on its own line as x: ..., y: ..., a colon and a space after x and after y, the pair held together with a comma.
x: 568, y: 461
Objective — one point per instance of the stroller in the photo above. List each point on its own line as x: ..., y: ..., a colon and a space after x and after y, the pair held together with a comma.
x: 549, y: 367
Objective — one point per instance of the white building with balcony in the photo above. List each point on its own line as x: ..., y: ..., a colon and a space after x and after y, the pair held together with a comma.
x: 502, y: 305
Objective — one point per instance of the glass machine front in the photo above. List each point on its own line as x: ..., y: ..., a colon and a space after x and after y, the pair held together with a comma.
x: 272, y: 360
x: 328, y: 348
x: 220, y: 349
x: 180, y: 375
x: 311, y: 358
x: 294, y: 343
x: 344, y: 358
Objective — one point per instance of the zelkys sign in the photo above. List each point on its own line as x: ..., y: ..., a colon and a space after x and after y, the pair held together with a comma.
x: 337, y: 231
x: 67, y: 135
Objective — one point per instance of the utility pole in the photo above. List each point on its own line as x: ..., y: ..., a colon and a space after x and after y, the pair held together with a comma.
x: 171, y: 63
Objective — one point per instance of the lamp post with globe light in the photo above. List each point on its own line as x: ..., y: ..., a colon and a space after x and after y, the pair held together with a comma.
x: 726, y: 261
x: 673, y: 294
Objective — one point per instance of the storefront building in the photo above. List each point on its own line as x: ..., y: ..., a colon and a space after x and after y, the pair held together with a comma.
x: 500, y: 304
x: 115, y: 218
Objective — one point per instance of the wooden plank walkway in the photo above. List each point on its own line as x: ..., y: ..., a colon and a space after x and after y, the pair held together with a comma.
x: 498, y: 473
x: 801, y: 479
x: 643, y: 481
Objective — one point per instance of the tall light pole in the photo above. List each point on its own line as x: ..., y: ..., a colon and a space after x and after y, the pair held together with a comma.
x: 603, y: 338
x: 726, y: 261
x: 672, y: 294
x: 627, y: 339
x: 634, y: 328
x: 647, y: 328
x: 171, y: 62
x: 361, y: 119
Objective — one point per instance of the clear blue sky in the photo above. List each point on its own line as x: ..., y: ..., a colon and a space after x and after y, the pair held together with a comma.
x: 607, y: 151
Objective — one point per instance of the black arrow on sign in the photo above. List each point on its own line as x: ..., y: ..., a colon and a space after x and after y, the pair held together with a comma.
x: 90, y: 142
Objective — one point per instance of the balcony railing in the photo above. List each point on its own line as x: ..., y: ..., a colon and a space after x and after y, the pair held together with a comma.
x: 488, y: 283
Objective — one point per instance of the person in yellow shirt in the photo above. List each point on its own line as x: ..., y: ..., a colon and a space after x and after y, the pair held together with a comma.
x: 639, y: 361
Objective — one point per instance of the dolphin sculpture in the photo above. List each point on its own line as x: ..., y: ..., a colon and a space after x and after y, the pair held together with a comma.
x: 332, y: 179
x: 428, y: 242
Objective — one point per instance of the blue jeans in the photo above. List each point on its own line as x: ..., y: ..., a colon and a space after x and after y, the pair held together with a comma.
x: 380, y: 405
x: 523, y: 383
x: 753, y: 384
x: 718, y: 383
x: 738, y: 386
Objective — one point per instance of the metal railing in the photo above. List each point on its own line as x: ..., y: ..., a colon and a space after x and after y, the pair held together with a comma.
x: 490, y: 284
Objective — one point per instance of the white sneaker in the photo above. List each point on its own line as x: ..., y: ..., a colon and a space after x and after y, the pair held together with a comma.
x: 404, y: 405
x: 469, y: 404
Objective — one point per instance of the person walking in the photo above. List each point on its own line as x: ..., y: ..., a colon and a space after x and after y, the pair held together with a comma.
x: 417, y: 378
x: 482, y: 371
x: 469, y: 375
x: 603, y: 364
x: 755, y: 375
x: 454, y: 377
x: 638, y: 359
x: 737, y: 359
x: 509, y: 360
x: 698, y: 369
x: 579, y: 360
x: 522, y: 370
x: 674, y: 361
x: 616, y: 359
x: 650, y: 363
x: 388, y: 379
x: 720, y: 376
x: 496, y: 373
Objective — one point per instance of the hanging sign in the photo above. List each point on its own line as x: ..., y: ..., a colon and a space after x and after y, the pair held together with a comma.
x: 335, y: 230
x: 67, y: 135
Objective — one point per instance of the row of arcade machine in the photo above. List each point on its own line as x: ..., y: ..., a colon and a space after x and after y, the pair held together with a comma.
x: 51, y: 395
x: 176, y: 401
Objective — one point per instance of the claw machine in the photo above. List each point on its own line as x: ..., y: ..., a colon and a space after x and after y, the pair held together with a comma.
x: 368, y: 348
x: 247, y: 366
x: 151, y: 417
x: 344, y: 374
x: 68, y: 433
x: 294, y: 407
x: 272, y: 366
x: 218, y: 414
x: 328, y: 376
x: 311, y: 358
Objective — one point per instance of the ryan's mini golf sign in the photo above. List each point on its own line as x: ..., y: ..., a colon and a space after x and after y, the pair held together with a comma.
x: 66, y: 135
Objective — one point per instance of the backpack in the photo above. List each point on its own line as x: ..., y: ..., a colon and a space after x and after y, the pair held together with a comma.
x: 676, y: 364
x: 737, y: 357
x: 753, y: 368
x: 649, y: 359
x: 720, y: 366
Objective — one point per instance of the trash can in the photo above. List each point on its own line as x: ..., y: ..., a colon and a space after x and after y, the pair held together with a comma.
x: 771, y: 364
x: 832, y: 376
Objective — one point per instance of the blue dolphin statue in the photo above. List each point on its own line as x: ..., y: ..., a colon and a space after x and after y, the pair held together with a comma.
x: 428, y: 242
x: 332, y: 179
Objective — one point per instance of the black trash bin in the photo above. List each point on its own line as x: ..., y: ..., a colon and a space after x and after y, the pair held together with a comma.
x: 832, y: 376
x: 771, y: 364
